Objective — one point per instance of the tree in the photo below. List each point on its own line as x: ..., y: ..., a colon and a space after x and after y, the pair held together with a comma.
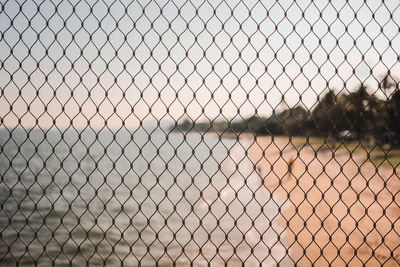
x: 359, y: 111
x: 329, y: 115
x: 390, y: 86
x: 394, y: 116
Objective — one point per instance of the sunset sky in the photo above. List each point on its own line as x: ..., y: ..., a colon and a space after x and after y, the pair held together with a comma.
x: 91, y: 62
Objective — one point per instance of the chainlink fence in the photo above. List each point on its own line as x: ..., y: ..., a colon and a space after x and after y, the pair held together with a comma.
x: 198, y: 133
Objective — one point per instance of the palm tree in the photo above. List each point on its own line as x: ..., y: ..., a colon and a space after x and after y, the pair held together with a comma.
x: 390, y: 86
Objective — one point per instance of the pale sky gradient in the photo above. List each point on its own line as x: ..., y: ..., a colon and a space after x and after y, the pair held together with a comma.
x: 92, y: 61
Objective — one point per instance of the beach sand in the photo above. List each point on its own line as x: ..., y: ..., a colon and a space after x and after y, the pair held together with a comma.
x: 337, y: 209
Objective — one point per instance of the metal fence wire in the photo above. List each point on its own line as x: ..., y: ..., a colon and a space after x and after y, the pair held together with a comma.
x: 200, y: 132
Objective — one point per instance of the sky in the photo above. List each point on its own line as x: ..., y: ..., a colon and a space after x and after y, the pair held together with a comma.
x: 117, y: 63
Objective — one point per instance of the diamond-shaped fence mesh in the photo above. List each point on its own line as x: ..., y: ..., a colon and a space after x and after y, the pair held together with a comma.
x: 200, y: 133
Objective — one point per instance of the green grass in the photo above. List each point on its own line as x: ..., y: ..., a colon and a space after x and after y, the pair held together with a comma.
x: 378, y: 155
x: 386, y: 157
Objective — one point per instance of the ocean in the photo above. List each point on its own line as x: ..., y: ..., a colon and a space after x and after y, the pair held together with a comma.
x: 134, y: 197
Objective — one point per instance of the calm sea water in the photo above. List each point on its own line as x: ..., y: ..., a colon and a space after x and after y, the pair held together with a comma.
x: 133, y: 197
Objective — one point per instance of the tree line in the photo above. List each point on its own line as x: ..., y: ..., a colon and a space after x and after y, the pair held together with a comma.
x: 359, y: 114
